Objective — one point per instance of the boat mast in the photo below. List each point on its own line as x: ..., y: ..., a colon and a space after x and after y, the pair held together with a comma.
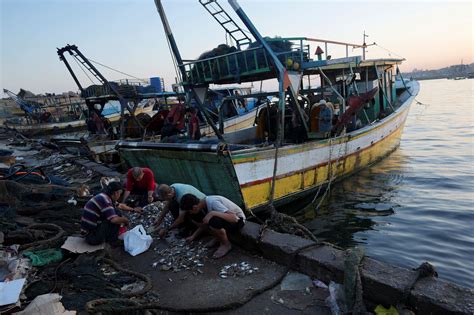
x: 198, y: 92
x: 282, y: 73
x: 169, y: 35
x: 364, y: 45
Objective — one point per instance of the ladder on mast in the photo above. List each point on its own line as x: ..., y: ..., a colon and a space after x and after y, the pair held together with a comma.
x: 227, y: 23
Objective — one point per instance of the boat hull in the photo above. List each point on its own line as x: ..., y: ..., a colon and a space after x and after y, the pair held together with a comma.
x: 301, y: 172
x: 245, y: 175
x: 64, y: 127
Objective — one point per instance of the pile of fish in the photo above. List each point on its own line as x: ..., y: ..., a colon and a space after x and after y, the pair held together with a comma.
x: 148, y: 217
x: 237, y: 270
x: 181, y: 255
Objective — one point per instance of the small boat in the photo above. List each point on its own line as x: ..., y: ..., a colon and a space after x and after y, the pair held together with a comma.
x: 43, y: 119
x: 349, y: 116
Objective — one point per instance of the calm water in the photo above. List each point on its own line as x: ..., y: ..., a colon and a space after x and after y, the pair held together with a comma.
x: 417, y: 204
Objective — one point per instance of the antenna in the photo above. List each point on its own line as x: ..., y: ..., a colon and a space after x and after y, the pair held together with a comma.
x: 364, y: 45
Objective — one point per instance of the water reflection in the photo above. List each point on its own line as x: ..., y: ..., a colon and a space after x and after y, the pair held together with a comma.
x: 352, y: 203
x: 417, y: 204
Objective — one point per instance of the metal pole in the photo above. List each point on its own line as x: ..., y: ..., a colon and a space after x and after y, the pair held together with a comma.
x: 281, y: 70
x: 63, y: 59
x: 179, y: 61
x: 169, y: 35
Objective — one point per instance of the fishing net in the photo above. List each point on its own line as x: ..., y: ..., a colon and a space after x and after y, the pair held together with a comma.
x: 79, y: 281
x: 32, y: 199
x: 352, y: 281
x: 7, y: 218
x: 284, y: 223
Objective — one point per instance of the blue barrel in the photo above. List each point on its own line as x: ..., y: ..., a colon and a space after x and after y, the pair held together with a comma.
x: 156, y: 82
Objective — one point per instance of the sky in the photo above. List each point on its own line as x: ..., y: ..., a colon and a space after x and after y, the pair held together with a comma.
x: 128, y: 35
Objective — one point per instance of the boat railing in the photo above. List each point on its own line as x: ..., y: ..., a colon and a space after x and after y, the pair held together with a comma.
x: 303, y: 42
x: 230, y: 66
x: 239, y: 65
x: 128, y: 89
x: 253, y: 63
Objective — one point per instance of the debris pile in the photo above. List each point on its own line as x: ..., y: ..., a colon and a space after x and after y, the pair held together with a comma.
x: 237, y: 270
x: 181, y: 255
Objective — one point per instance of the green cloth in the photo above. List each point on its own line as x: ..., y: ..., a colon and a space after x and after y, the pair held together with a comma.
x: 44, y: 257
x: 380, y: 310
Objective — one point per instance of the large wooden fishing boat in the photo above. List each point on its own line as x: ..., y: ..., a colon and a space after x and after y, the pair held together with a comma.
x: 305, y: 138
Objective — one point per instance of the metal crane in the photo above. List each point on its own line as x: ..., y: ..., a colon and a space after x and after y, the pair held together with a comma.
x: 74, y: 51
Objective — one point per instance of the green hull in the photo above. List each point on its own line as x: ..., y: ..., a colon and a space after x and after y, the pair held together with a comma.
x: 202, y: 167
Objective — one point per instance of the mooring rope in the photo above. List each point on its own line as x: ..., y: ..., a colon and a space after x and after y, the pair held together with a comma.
x: 148, y: 285
x: 47, y: 242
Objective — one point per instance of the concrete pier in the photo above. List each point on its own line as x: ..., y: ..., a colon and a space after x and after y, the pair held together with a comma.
x: 382, y: 282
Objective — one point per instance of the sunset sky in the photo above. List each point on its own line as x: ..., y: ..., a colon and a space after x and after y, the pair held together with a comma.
x: 128, y: 35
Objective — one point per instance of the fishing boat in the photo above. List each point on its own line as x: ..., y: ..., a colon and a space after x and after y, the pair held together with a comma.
x: 349, y: 115
x: 45, y: 115
x: 129, y: 96
x: 51, y: 117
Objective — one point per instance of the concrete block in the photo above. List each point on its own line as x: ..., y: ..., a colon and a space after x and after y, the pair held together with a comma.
x: 247, y: 237
x: 280, y: 247
x: 384, y: 283
x: 324, y: 263
x: 435, y: 296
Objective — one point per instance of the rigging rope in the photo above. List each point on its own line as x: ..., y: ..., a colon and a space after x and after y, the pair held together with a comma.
x: 80, y: 67
x: 175, y: 62
x: 110, y: 68
x: 331, y: 174
x: 389, y: 51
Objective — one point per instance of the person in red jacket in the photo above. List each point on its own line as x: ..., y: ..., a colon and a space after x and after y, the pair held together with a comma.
x: 140, y: 181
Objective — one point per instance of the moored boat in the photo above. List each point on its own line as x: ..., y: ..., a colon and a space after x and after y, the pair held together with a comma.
x: 57, y: 118
x: 354, y: 117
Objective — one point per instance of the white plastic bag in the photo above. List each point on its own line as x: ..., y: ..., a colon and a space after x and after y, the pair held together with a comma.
x: 136, y: 241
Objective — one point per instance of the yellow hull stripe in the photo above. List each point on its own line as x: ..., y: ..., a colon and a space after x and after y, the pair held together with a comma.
x: 258, y: 193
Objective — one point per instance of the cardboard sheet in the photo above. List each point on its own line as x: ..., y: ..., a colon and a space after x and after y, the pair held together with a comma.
x: 46, y: 304
x: 78, y: 245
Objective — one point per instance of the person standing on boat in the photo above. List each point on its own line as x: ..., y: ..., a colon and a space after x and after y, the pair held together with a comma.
x: 176, y: 116
x: 172, y: 195
x: 221, y: 216
x: 140, y: 181
x: 325, y: 116
x: 193, y: 130
x: 95, y: 125
x: 101, y: 218
x: 298, y: 131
